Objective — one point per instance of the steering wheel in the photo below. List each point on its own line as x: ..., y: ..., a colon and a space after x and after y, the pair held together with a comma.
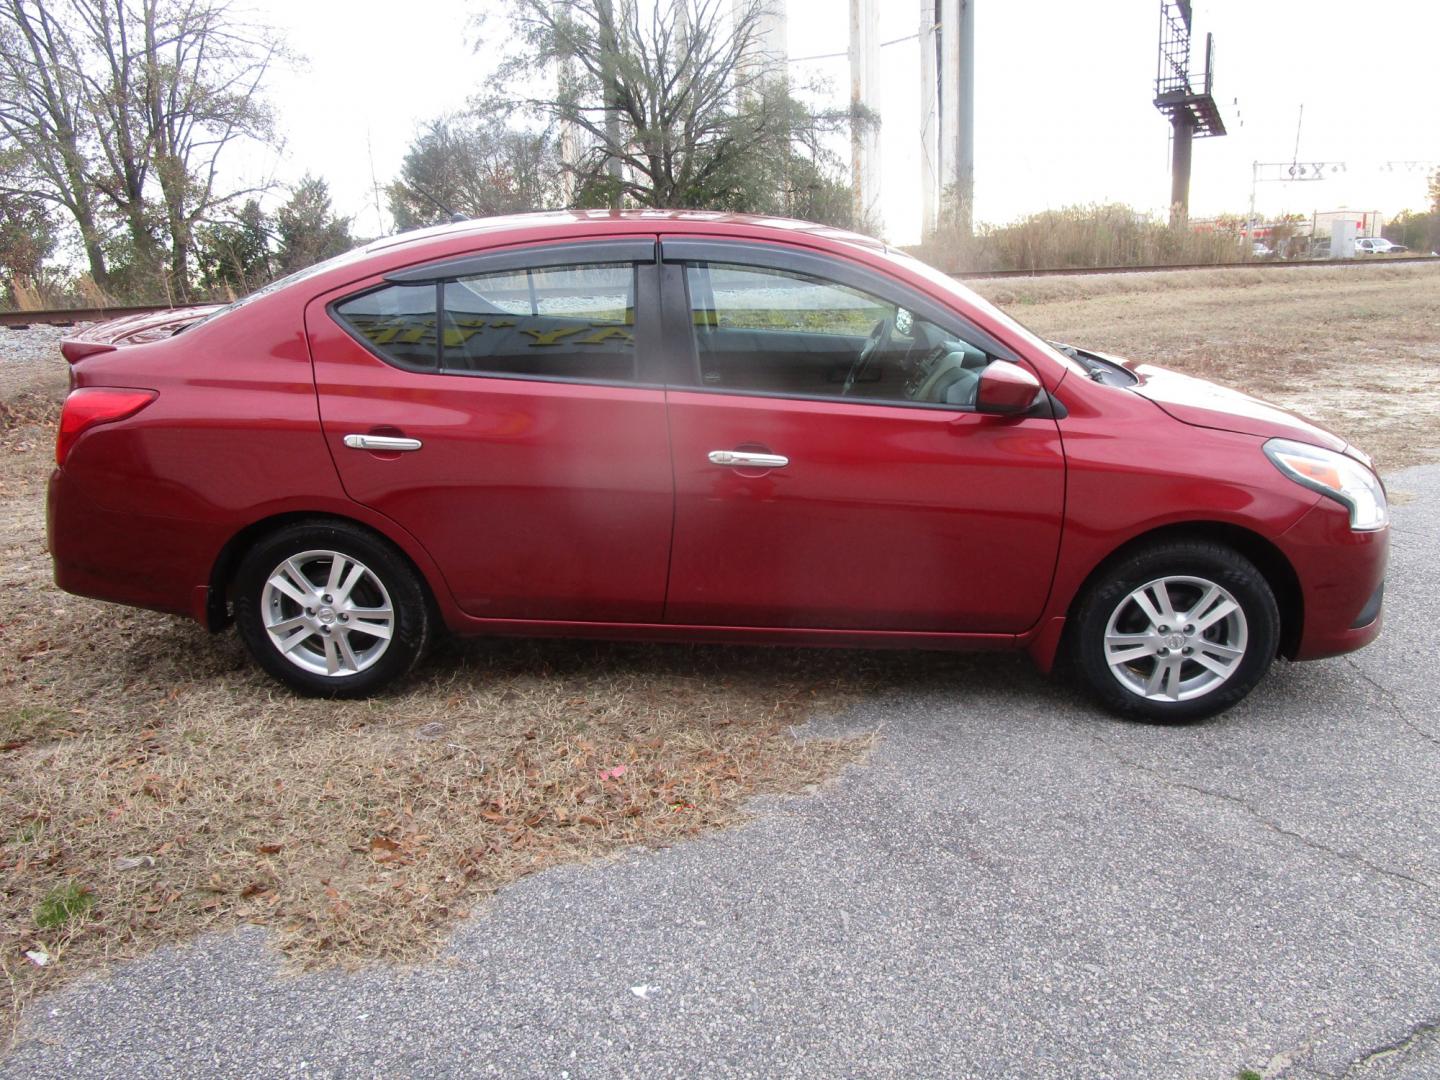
x: 878, y: 340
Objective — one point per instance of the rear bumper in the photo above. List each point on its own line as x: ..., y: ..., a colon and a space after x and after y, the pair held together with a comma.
x: 1342, y: 577
x: 137, y: 559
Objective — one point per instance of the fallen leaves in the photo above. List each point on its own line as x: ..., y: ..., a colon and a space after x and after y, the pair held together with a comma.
x: 151, y: 761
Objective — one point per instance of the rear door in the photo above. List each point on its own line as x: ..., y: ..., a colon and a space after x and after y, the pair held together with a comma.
x: 830, y: 469
x: 507, y: 410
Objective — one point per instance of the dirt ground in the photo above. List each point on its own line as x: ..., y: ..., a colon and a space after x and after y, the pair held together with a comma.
x: 154, y: 786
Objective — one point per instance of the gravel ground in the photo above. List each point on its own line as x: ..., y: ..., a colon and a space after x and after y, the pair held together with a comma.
x: 30, y: 359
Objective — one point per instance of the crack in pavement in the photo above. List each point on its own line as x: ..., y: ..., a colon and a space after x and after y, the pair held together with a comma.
x: 1394, y: 1048
x: 1254, y: 812
x: 1389, y: 698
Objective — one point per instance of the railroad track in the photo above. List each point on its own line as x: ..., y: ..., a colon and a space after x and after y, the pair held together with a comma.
x: 20, y: 320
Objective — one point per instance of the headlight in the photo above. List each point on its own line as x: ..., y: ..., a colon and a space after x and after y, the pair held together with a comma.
x: 1342, y: 478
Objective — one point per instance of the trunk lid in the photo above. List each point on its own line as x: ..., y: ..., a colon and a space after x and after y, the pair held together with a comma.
x: 131, y: 330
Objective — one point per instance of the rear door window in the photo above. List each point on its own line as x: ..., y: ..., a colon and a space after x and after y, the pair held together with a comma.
x: 558, y: 322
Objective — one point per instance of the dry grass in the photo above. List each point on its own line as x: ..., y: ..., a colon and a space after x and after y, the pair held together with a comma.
x: 1354, y: 348
x: 25, y: 295
x: 154, y: 786
x: 146, y: 768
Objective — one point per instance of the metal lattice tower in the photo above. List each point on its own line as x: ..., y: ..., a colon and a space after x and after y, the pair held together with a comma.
x: 1192, y: 113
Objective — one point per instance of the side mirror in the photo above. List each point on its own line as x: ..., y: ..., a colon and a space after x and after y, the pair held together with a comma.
x: 1006, y: 389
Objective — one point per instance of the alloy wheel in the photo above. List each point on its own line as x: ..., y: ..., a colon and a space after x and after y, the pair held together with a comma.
x: 1176, y: 638
x: 327, y: 613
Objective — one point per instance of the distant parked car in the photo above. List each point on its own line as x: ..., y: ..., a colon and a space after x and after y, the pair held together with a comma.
x: 1260, y: 250
x: 697, y: 427
x: 1377, y: 245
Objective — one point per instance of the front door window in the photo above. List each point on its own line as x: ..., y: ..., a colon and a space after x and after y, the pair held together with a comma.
x: 772, y: 331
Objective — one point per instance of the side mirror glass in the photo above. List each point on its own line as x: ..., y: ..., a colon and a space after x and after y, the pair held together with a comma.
x: 1006, y: 389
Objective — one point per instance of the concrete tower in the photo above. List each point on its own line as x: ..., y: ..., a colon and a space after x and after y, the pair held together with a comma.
x: 769, y: 53
x: 947, y: 112
x: 864, y: 126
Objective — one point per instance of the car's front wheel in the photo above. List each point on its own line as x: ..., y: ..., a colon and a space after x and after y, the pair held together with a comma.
x: 331, y: 610
x: 1177, y: 631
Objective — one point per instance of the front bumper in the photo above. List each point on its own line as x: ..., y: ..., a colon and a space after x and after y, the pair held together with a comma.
x: 1342, y: 577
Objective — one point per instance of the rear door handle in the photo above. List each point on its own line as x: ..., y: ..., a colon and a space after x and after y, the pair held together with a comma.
x: 744, y: 459
x: 381, y: 442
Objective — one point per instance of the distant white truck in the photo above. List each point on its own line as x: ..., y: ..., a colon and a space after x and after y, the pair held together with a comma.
x: 1376, y: 245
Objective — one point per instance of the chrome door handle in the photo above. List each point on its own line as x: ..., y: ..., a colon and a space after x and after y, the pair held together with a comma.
x: 381, y: 442
x: 743, y: 459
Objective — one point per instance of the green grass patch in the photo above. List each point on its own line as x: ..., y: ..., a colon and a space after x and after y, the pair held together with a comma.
x: 63, y: 905
x: 27, y: 722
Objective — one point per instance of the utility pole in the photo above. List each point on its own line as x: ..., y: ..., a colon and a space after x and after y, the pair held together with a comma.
x: 1183, y: 125
x: 965, y: 107
x: 569, y: 133
x: 957, y: 108
x: 609, y: 47
x: 929, y: 118
x: 864, y: 127
x: 949, y: 96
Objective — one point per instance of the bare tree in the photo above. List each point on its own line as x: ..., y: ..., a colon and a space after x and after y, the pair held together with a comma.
x: 673, y: 113
x: 136, y: 101
x: 173, y: 85
x: 45, y: 126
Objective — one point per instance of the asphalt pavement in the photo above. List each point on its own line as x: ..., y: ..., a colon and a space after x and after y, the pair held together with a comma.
x: 1013, y: 885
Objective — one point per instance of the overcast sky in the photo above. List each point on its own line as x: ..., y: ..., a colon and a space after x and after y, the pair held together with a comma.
x: 1063, y: 98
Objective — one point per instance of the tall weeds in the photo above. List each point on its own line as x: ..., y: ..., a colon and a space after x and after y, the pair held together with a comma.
x: 1098, y: 235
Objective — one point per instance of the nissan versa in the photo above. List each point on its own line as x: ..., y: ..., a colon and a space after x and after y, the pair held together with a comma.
x: 705, y: 427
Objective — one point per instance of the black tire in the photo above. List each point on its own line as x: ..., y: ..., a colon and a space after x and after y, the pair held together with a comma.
x: 1185, y: 568
x: 386, y: 581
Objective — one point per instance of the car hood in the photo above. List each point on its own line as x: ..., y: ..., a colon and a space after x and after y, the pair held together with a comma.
x: 133, y: 330
x: 1202, y: 403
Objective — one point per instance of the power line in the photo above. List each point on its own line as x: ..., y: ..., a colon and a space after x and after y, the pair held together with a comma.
x: 836, y: 55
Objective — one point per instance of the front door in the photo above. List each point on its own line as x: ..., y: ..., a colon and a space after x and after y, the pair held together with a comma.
x: 830, y: 470
x: 508, y: 420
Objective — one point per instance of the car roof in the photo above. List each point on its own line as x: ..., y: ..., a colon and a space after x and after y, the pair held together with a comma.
x: 421, y: 246
x: 563, y: 222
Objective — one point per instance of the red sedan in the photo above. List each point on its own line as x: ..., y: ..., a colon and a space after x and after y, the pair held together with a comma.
x: 702, y: 427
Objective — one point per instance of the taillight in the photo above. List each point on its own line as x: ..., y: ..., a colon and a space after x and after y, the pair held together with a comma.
x: 92, y: 405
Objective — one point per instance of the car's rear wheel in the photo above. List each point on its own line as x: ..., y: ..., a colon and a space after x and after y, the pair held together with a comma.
x: 1177, y: 631
x: 331, y: 610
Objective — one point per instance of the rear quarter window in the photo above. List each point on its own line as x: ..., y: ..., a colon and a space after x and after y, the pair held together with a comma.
x: 398, y: 322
